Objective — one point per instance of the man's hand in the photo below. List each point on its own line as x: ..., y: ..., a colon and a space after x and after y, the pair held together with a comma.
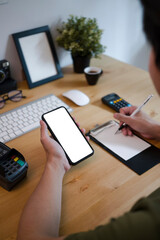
x: 53, y: 150
x: 140, y: 123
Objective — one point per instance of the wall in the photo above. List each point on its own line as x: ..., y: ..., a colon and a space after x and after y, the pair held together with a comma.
x: 120, y: 20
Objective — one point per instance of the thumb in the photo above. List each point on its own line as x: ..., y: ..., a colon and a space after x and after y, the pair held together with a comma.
x: 44, y: 130
x: 123, y: 118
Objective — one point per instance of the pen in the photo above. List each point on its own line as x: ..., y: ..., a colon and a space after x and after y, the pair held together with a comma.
x: 135, y: 112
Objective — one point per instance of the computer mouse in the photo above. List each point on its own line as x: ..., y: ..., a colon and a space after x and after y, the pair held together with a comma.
x: 77, y: 97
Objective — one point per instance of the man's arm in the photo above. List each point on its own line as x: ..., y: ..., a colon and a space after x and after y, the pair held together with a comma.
x: 41, y: 216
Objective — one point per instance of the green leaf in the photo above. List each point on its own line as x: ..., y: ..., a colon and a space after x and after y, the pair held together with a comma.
x: 81, y: 36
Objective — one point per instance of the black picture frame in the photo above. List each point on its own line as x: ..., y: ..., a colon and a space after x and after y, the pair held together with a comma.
x: 38, y: 56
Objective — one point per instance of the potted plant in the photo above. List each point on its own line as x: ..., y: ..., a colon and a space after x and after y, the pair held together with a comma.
x: 81, y: 36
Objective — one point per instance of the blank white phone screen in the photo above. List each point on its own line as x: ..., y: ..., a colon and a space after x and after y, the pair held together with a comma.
x: 68, y: 135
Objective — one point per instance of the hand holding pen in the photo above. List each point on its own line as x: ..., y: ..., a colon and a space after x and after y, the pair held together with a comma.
x: 135, y: 112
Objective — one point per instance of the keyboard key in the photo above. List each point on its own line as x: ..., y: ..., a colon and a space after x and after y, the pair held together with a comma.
x: 2, y: 134
x: 12, y: 135
x: 18, y: 133
x: 31, y: 127
x: 6, y: 138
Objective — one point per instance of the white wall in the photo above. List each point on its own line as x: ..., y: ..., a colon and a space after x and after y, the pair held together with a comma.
x: 120, y: 20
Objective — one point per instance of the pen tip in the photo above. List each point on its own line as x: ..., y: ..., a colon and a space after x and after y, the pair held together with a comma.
x: 116, y: 131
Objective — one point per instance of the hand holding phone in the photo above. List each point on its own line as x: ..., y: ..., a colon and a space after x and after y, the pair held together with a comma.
x: 66, y: 132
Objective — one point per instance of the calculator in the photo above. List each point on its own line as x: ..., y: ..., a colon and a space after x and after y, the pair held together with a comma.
x: 13, y: 167
x: 115, y: 101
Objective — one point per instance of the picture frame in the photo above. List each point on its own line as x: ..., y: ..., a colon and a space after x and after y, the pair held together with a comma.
x: 38, y: 56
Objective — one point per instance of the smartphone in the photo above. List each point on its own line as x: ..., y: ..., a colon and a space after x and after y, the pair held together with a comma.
x: 66, y: 132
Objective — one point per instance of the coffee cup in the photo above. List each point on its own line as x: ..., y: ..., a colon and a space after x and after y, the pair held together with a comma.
x: 92, y: 74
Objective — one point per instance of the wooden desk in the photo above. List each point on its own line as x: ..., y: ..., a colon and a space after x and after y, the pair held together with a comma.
x: 100, y: 187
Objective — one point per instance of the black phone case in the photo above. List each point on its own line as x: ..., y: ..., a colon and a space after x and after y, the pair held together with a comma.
x: 71, y: 163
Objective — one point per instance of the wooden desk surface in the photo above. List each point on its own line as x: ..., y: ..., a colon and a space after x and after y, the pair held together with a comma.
x: 100, y: 187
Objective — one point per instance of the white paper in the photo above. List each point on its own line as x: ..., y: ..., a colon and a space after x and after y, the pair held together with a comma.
x: 38, y: 57
x: 124, y: 146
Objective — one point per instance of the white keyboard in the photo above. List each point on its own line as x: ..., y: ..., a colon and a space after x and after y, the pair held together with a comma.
x: 25, y: 118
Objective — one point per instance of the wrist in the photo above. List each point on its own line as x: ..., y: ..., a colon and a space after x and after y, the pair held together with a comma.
x: 56, y: 164
x: 157, y: 131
